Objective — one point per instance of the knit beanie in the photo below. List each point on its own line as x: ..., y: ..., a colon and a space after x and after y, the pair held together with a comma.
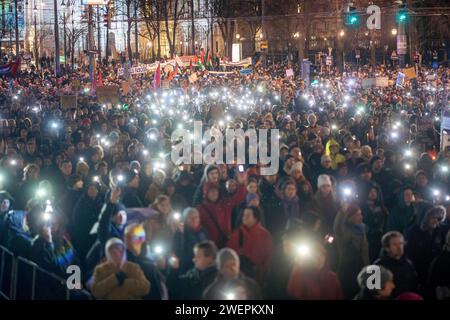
x: 323, y: 179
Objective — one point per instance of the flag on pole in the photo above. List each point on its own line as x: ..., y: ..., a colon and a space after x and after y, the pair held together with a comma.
x: 157, y: 78
x: 100, y: 78
x: 10, y: 68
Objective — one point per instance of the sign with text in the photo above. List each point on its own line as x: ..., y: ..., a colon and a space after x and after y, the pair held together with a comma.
x: 382, y: 82
x: 108, y: 94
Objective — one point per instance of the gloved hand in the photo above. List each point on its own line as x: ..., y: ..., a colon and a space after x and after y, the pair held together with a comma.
x: 121, y: 276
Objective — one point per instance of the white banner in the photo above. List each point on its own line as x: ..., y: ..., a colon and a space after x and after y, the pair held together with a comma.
x: 245, y: 62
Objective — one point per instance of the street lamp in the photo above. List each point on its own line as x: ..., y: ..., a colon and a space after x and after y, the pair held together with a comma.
x: 342, y: 33
x: 36, y: 50
x: 63, y: 6
x: 394, y: 32
x: 238, y: 36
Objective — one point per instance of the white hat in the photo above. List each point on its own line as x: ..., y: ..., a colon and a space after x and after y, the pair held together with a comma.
x: 323, y: 179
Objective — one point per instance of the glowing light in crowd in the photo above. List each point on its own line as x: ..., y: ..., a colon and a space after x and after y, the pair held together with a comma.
x: 230, y: 296
x: 177, y: 216
x: 303, y: 250
x: 436, y: 192
x: 40, y: 193
x: 145, y: 152
x: 96, y: 179
x: 120, y: 178
x: 159, y: 249
x: 54, y: 125
x: 347, y: 191
x: 408, y: 153
x: 407, y: 166
x: 13, y: 162
x: 444, y: 169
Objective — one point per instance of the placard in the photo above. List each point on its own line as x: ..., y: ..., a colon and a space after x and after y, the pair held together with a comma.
x: 68, y: 101
x: 382, y: 82
x: 107, y: 94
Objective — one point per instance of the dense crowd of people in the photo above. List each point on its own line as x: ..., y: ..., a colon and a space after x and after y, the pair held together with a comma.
x: 361, y: 181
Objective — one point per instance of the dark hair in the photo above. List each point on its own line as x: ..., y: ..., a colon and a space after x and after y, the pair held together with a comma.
x: 386, y: 239
x: 73, y: 179
x: 255, y: 210
x: 208, y: 247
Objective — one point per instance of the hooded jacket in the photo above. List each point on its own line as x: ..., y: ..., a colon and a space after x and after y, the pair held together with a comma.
x: 401, y: 217
x: 106, y: 279
x: 320, y: 284
x: 216, y: 216
x: 423, y: 246
x: 254, y: 243
x: 3, y: 215
x: 18, y: 240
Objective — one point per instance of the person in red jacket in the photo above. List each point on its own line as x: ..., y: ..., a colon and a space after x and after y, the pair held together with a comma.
x: 312, y: 278
x: 216, y: 212
x: 252, y: 241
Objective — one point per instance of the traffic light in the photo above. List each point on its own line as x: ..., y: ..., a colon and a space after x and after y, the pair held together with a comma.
x: 352, y: 16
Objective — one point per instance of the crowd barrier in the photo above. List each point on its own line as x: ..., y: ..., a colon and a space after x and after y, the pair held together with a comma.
x: 22, y: 279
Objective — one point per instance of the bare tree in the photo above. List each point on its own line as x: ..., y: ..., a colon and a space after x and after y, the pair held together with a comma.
x: 172, y: 11
x: 225, y: 11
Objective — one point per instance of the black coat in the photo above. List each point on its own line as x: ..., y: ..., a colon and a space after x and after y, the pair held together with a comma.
x: 220, y: 286
x: 423, y: 247
x: 86, y: 213
x: 184, y: 243
x: 192, y: 284
x: 130, y: 198
x: 405, y: 275
x: 158, y: 290
x: 439, y: 274
x: 18, y: 241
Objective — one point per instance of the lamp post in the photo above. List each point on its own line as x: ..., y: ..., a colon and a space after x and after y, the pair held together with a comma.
x: 56, y: 29
x: 36, y: 50
x: 16, y: 18
x: 63, y: 6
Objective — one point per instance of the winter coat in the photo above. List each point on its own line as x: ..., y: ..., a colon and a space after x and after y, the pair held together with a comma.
x: 401, y: 217
x: 422, y: 247
x: 158, y: 289
x: 130, y: 198
x: 439, y: 275
x: 254, y: 243
x: 405, y: 275
x: 184, y: 243
x: 374, y: 218
x: 18, y: 241
x: 54, y: 257
x: 86, y: 213
x: 327, y: 208
x: 314, y: 285
x: 216, y: 217
x: 353, y: 254
x: 192, y: 284
x: 106, y: 286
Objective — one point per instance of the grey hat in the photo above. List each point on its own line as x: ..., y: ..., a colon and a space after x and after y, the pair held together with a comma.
x: 224, y: 255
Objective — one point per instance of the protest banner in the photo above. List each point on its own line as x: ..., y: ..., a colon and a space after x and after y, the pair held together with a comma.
x: 410, y: 73
x: 68, y: 101
x: 289, y: 73
x: 382, y: 82
x: 368, y: 83
x: 108, y: 94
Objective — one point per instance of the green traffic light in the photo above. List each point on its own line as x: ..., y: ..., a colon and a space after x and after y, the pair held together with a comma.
x: 402, y: 17
x: 353, y: 19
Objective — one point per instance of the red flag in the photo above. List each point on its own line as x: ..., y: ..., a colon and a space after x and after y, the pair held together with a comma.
x: 100, y: 78
x: 157, y: 78
x: 190, y: 65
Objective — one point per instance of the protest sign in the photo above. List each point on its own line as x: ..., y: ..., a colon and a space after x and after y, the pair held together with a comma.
x: 382, y: 82
x: 68, y: 101
x: 108, y: 94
